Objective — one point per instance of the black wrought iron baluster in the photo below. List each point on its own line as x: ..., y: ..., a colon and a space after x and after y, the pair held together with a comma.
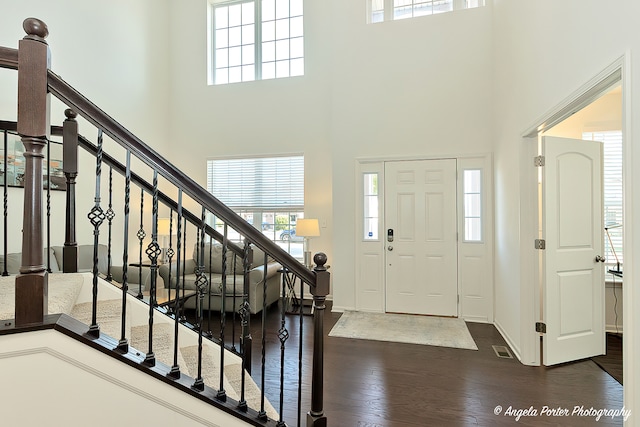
x: 49, y: 206
x: 6, y: 206
x: 233, y: 315
x: 209, y: 330
x: 153, y: 252
x: 245, y: 312
x: 175, y: 369
x: 262, y: 414
x: 123, y: 344
x: 141, y: 235
x: 222, y: 394
x: 184, y: 260
x: 96, y: 217
x: 170, y: 253
x: 283, y: 336
x: 110, y: 214
x: 201, y: 285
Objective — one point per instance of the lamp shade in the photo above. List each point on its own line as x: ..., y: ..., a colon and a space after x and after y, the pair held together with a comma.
x: 163, y: 226
x: 307, y: 228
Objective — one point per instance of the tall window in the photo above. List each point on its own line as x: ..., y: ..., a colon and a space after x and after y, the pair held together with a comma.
x: 388, y: 10
x: 612, y: 178
x: 256, y: 40
x: 472, y: 188
x: 268, y: 192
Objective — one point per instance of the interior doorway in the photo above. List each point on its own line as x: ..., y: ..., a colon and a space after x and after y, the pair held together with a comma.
x: 595, y: 108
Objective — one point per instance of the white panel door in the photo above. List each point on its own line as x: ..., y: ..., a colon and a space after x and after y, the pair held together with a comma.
x: 573, y: 275
x: 420, y: 212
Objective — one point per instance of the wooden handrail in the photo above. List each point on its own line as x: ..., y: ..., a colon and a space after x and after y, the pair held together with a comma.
x: 8, y: 58
x: 92, y: 113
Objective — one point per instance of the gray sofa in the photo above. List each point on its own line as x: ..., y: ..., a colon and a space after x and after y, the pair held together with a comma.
x: 235, y: 283
x: 85, y: 263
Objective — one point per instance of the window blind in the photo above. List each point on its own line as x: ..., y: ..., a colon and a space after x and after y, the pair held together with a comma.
x: 273, y: 183
x: 612, y: 179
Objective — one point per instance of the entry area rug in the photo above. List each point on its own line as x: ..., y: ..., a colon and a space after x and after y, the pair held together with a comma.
x: 405, y: 328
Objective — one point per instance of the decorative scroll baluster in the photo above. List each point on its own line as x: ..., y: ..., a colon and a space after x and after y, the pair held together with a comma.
x: 175, y: 369
x: 6, y: 207
x: 153, y: 252
x: 201, y: 285
x: 222, y: 394
x: 184, y: 260
x: 283, y: 336
x: 123, y: 344
x: 70, y: 168
x: 96, y: 217
x: 48, y: 206
x: 262, y: 414
x: 141, y: 235
x: 246, y: 341
x: 110, y: 215
x: 209, y: 330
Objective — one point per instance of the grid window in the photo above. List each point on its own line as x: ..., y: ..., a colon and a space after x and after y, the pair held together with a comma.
x: 268, y: 192
x: 371, y: 212
x: 613, y: 200
x: 388, y: 10
x: 258, y: 40
x: 472, y: 189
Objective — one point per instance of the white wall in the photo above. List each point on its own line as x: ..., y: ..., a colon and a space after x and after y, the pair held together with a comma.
x: 42, y: 364
x: 115, y: 53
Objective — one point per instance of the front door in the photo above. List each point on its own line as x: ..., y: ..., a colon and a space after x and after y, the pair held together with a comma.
x: 573, y: 267
x: 421, y: 236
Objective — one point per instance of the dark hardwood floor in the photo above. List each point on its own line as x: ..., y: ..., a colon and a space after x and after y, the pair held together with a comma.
x: 380, y: 384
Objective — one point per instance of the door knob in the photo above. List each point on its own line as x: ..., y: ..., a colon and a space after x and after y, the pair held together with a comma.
x: 600, y: 258
x: 389, y: 248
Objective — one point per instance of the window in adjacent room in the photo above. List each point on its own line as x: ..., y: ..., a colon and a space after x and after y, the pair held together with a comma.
x: 268, y: 192
x: 613, y: 200
x: 390, y: 10
x: 472, y: 188
x: 256, y: 40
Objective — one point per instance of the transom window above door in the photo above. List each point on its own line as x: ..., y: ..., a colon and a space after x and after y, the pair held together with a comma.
x: 392, y: 10
x: 255, y: 40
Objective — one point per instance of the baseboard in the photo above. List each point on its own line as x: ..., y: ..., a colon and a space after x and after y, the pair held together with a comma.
x: 340, y: 309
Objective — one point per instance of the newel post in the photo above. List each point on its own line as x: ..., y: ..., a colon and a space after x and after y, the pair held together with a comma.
x: 316, y: 417
x: 70, y: 169
x: 33, y: 126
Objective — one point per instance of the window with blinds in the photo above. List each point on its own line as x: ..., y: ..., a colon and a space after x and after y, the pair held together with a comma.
x: 613, y: 198
x: 392, y: 10
x: 268, y: 192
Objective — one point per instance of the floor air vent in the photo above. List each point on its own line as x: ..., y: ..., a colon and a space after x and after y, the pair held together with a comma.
x: 502, y: 351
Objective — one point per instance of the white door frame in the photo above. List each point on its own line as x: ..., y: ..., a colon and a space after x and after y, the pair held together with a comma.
x: 476, y: 296
x: 529, y: 257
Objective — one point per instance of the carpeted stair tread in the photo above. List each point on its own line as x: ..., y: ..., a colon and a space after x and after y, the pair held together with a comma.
x: 108, y: 314
x: 63, y: 293
x: 251, y: 391
x: 210, y: 368
x: 162, y: 343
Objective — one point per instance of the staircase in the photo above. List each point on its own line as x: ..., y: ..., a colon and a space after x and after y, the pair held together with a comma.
x: 211, y: 368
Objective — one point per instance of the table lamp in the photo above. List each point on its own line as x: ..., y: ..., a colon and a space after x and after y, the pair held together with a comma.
x: 307, y: 228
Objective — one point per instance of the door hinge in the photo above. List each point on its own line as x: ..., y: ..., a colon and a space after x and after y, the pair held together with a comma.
x: 541, y: 244
x: 541, y: 327
x: 538, y: 161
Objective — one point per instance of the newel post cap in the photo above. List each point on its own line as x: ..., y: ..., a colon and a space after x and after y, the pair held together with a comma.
x: 35, y: 29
